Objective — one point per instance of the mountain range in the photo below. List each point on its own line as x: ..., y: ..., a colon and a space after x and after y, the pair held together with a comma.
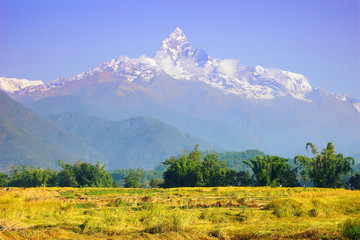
x: 26, y: 138
x: 234, y: 107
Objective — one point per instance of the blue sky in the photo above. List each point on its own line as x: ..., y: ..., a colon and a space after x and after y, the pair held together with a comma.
x: 44, y: 40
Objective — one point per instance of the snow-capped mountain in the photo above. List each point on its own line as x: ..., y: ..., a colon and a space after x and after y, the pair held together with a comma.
x: 13, y: 84
x: 347, y: 98
x: 181, y: 60
x: 233, y: 106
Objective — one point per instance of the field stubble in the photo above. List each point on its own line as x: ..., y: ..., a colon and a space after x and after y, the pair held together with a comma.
x: 180, y: 213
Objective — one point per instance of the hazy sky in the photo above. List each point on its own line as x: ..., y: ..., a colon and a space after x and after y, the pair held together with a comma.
x: 44, y: 40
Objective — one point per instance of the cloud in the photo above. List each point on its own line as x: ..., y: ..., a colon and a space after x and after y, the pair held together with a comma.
x: 166, y: 64
x: 190, y: 66
x: 228, y: 67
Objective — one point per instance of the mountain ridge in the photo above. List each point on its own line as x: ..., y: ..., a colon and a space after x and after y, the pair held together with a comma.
x: 27, y: 138
x: 181, y: 60
x: 235, y: 107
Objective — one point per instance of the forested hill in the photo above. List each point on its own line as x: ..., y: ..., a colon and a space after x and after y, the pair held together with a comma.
x: 135, y: 142
x: 234, y: 160
x: 27, y: 138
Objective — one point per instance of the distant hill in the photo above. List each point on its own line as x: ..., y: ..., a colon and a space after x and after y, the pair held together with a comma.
x: 27, y: 138
x: 135, y: 142
x: 234, y: 160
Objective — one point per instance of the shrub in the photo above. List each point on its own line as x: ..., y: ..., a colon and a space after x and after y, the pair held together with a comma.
x: 350, y: 228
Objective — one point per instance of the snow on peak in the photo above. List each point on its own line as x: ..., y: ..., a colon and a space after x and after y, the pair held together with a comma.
x: 12, y: 85
x: 180, y: 59
x: 293, y: 83
x: 176, y: 48
x: 347, y: 98
x: 341, y: 96
x: 177, y: 35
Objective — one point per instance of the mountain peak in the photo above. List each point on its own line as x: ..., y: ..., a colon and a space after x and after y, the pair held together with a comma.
x: 177, y: 34
x: 13, y: 84
x: 175, y: 41
x: 176, y: 49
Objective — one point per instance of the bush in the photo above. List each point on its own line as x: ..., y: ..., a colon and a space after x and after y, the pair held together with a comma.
x: 350, y: 228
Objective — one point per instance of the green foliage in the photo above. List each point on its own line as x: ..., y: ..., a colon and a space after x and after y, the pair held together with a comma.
x: 214, y: 172
x: 350, y: 228
x: 132, y: 180
x: 67, y: 177
x: 156, y: 182
x: 272, y: 171
x: 4, y: 180
x: 83, y: 175
x: 184, y: 171
x: 234, y: 160
x: 119, y: 175
x: 189, y: 170
x: 24, y: 176
x: 242, y: 179
x: 354, y: 181
x: 326, y: 168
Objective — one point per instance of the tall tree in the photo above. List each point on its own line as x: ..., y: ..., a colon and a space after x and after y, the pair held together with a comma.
x: 132, y: 180
x: 354, y: 181
x: 4, y: 180
x: 84, y: 175
x: 214, y: 171
x: 243, y: 179
x: 184, y: 171
x: 325, y: 168
x: 272, y: 171
x: 189, y: 170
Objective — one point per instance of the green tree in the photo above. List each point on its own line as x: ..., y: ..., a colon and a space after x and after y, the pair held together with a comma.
x: 156, y: 182
x: 84, y: 175
x: 67, y: 177
x: 189, y: 170
x: 214, y: 172
x: 24, y: 176
x: 326, y: 168
x: 272, y: 171
x: 354, y: 182
x: 132, y: 180
x: 261, y: 169
x: 4, y: 180
x: 243, y: 179
x: 184, y: 171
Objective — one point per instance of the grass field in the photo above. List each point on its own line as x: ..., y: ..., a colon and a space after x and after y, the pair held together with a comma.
x: 179, y: 213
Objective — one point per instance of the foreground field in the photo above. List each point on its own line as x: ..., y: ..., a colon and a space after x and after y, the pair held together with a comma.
x: 180, y: 213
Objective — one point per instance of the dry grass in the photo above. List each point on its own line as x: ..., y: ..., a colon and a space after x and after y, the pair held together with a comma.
x: 180, y: 213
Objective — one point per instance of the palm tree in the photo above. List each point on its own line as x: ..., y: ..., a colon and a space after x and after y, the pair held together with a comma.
x: 325, y: 168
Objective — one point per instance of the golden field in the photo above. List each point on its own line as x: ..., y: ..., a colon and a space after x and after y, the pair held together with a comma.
x: 179, y: 213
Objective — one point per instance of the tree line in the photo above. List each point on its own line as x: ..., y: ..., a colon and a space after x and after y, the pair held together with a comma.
x: 79, y: 174
x: 324, y: 169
